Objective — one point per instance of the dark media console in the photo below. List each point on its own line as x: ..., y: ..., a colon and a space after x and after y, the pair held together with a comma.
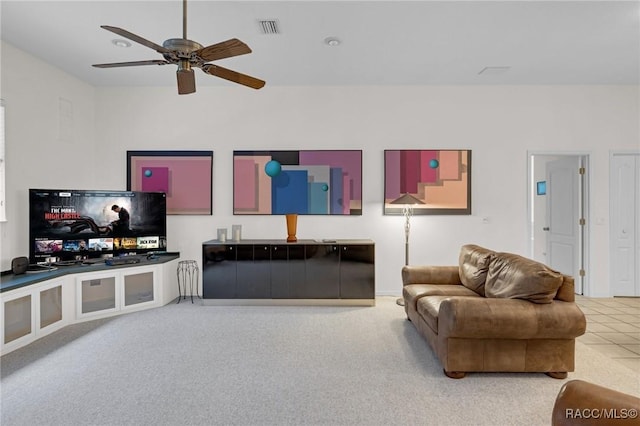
x: 336, y: 272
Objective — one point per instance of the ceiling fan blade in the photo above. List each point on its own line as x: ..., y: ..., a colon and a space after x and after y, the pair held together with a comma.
x: 186, y: 81
x: 225, y: 49
x: 136, y: 38
x: 233, y: 76
x: 132, y: 64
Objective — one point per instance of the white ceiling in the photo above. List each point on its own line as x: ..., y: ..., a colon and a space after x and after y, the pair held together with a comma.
x: 383, y: 42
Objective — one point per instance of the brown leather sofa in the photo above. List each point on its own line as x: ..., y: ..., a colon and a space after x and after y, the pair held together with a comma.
x: 581, y: 403
x: 495, y: 312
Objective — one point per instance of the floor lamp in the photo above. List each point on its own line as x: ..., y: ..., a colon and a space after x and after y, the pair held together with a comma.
x: 407, y: 201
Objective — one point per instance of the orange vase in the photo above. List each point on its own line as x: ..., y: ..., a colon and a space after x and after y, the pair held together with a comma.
x: 292, y: 225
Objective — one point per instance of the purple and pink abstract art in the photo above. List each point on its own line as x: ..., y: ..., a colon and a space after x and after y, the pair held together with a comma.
x: 185, y: 176
x: 439, y: 179
x: 322, y: 182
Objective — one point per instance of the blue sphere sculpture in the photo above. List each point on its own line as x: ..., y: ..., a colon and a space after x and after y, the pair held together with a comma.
x: 434, y: 163
x: 148, y: 173
x: 273, y: 168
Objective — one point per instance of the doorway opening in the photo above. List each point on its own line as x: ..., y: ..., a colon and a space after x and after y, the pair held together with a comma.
x: 558, y: 213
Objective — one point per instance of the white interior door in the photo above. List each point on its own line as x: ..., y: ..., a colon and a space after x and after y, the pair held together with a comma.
x: 564, y: 230
x: 625, y: 224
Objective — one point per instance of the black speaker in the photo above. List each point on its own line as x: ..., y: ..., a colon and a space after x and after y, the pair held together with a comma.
x: 19, y: 265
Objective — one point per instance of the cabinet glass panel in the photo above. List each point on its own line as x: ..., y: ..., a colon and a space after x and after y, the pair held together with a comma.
x: 297, y: 269
x: 253, y: 272
x: 17, y: 318
x: 219, y: 271
x: 50, y: 306
x: 279, y: 272
x: 322, y: 273
x: 138, y: 288
x: 98, y: 294
x: 357, y: 271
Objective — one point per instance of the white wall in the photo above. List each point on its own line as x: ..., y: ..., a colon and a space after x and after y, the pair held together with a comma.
x: 43, y: 147
x: 498, y: 123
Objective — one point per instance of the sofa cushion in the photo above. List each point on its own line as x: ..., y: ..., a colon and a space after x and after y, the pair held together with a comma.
x: 474, y: 265
x: 515, y: 277
x: 428, y: 308
x: 488, y: 318
x: 414, y: 292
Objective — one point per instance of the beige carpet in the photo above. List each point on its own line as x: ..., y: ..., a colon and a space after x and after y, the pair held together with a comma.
x: 207, y: 365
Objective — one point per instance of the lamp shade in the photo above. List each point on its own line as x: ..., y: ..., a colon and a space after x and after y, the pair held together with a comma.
x: 406, y: 199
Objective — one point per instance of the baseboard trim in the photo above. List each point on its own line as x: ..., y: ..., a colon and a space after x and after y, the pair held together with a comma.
x: 289, y: 302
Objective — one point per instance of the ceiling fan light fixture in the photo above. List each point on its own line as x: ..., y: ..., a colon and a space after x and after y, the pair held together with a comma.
x: 120, y: 42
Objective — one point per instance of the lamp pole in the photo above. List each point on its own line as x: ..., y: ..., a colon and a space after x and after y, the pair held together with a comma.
x: 407, y: 201
x: 407, y: 211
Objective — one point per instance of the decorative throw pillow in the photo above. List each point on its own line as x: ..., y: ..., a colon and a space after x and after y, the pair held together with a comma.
x: 515, y: 277
x: 474, y: 265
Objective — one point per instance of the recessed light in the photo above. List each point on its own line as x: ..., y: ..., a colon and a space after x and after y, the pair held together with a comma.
x: 332, y: 41
x: 120, y: 42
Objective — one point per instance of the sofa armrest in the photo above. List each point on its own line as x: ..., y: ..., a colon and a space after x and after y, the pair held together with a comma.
x: 430, y: 275
x: 583, y: 403
x: 489, y: 318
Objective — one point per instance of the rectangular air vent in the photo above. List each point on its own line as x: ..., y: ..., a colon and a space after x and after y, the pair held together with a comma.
x: 494, y: 70
x: 269, y: 26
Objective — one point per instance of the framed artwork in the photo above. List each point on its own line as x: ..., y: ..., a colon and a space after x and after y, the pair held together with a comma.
x: 433, y: 182
x: 322, y: 182
x: 185, y: 176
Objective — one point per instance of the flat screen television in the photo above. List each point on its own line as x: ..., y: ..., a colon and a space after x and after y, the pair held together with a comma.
x: 86, y: 224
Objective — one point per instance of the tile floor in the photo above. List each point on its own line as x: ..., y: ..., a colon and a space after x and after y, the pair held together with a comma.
x: 613, y: 328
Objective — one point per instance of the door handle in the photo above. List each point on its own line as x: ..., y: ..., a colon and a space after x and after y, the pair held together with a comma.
x: 546, y: 228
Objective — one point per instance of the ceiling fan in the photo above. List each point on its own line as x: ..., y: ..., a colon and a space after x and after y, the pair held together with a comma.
x: 188, y: 54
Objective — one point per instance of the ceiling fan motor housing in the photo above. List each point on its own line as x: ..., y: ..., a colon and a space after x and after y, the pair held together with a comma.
x: 181, y: 47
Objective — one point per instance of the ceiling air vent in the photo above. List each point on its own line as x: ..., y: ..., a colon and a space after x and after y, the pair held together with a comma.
x: 494, y: 70
x: 269, y: 26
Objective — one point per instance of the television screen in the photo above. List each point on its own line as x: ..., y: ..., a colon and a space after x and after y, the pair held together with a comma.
x: 83, y: 224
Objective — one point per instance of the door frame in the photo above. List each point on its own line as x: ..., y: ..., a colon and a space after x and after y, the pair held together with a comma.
x: 585, y: 247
